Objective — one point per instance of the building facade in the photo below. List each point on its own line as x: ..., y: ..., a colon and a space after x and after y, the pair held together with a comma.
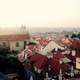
x: 14, y: 42
x: 14, y: 38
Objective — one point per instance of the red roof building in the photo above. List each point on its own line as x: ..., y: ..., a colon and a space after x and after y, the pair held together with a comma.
x: 14, y: 41
x: 69, y: 42
x: 39, y: 60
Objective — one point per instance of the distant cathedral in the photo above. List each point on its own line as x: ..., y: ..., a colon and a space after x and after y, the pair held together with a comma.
x: 23, y: 29
x: 13, y: 30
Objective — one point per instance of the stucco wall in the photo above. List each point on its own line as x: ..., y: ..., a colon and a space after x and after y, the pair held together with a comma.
x: 13, y: 45
x: 6, y: 43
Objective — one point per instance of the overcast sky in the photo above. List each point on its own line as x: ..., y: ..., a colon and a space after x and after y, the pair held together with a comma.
x: 41, y: 13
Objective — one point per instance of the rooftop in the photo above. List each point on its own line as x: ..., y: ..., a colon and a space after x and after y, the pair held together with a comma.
x: 14, y: 37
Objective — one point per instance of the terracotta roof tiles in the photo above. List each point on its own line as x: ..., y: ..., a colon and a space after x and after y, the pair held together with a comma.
x: 13, y: 37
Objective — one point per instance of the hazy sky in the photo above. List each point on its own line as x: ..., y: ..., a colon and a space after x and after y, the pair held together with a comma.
x: 40, y: 13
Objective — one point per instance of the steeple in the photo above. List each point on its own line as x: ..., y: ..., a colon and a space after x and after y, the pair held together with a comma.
x: 23, y: 29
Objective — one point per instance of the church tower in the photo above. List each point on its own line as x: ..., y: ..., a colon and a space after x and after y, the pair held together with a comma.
x: 23, y: 29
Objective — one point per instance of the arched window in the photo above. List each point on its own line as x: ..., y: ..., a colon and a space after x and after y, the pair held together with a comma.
x: 25, y: 44
x: 4, y: 44
x: 17, y: 44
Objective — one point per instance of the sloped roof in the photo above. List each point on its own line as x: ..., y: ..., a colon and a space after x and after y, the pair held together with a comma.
x: 42, y: 40
x: 16, y: 37
x: 69, y: 42
x: 50, y: 46
x: 55, y: 65
x: 39, y: 60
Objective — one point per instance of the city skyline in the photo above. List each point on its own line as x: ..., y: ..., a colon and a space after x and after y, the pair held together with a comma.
x: 32, y: 30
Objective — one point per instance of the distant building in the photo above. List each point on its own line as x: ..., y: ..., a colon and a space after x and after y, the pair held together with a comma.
x: 16, y: 40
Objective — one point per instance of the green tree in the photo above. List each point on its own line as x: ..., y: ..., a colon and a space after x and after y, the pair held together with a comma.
x: 73, y: 35
x: 78, y: 35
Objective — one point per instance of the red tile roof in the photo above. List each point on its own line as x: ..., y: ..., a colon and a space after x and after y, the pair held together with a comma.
x: 17, y: 37
x: 69, y: 42
x: 42, y: 40
x: 39, y: 60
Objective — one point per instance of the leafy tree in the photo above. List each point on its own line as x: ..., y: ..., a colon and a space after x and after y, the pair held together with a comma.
x: 10, y: 64
x: 78, y: 35
x: 67, y: 35
x: 4, y: 51
x: 73, y: 36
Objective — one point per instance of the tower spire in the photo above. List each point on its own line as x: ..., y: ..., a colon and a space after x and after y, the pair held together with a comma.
x: 23, y: 29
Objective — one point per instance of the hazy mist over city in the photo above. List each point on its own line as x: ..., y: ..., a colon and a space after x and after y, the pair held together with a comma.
x: 53, y: 29
x: 39, y: 16
x: 34, y: 30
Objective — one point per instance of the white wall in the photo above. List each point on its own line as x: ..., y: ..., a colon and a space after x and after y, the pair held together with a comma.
x: 51, y: 46
x: 6, y: 42
x: 13, y: 45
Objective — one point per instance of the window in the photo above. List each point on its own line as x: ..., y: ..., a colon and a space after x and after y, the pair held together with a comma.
x: 4, y: 44
x: 17, y: 44
x: 25, y: 44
